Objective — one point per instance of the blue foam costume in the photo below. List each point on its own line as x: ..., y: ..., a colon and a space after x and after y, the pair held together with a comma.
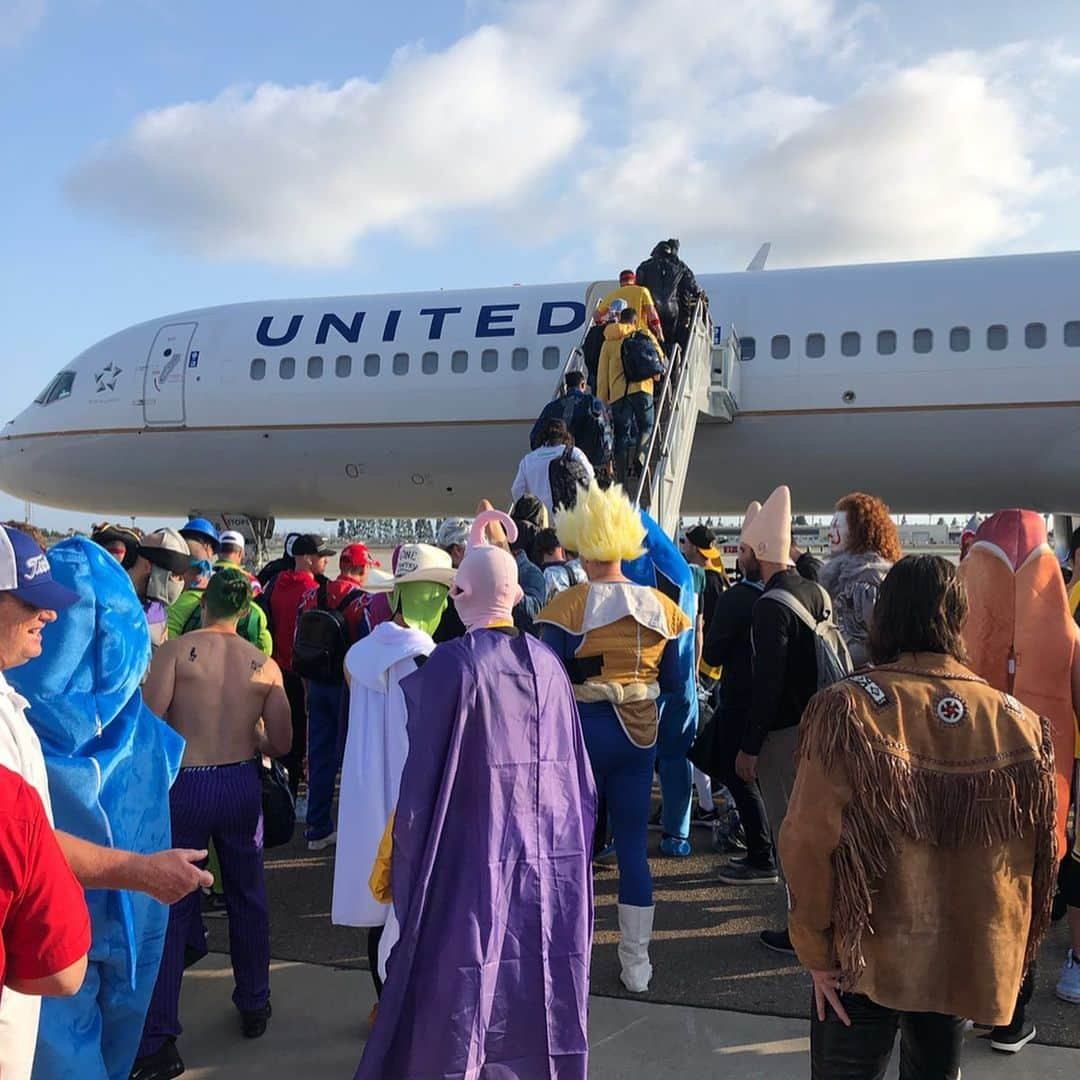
x: 663, y: 567
x: 110, y: 763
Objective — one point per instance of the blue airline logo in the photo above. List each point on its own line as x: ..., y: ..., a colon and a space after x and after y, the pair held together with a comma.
x: 492, y: 321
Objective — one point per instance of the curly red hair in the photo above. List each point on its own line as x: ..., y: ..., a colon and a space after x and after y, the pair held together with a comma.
x: 869, y: 526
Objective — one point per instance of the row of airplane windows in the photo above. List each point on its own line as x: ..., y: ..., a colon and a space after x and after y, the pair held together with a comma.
x: 922, y: 341
x: 401, y: 363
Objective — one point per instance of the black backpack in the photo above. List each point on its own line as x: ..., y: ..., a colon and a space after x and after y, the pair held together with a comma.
x: 322, y: 639
x: 640, y: 358
x: 565, y: 475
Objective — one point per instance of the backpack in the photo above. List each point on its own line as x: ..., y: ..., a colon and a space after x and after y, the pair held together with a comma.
x: 322, y: 639
x: 591, y: 430
x: 830, y: 649
x: 565, y: 475
x: 640, y: 358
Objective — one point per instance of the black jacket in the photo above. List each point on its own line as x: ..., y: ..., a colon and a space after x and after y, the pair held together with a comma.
x: 727, y: 644
x: 586, y: 418
x: 672, y: 284
x: 785, y: 660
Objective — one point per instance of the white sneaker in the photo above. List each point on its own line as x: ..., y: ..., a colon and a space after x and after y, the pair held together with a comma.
x: 322, y: 844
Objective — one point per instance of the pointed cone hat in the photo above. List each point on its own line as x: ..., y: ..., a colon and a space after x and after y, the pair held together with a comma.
x: 768, y: 533
x: 751, y: 512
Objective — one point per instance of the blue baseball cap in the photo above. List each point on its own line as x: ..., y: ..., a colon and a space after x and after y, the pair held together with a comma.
x: 25, y: 573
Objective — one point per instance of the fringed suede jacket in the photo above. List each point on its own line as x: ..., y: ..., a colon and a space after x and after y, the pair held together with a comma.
x: 919, y: 844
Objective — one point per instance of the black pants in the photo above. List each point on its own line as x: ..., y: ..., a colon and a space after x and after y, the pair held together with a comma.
x: 748, y: 799
x: 294, y: 759
x: 930, y: 1043
x: 374, y: 936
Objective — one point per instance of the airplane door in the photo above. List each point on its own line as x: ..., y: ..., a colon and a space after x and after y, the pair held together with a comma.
x: 163, y: 383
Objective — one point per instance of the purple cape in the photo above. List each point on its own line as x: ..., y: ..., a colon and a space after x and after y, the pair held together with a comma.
x: 491, y: 872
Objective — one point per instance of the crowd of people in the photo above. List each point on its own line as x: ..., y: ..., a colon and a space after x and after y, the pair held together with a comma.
x: 897, y: 736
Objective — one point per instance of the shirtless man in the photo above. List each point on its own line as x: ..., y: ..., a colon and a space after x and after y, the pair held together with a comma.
x: 228, y: 701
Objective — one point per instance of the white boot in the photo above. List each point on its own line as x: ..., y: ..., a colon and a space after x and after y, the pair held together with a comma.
x: 635, y: 930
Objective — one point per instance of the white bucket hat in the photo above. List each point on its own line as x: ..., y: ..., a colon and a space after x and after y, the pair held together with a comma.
x: 417, y: 562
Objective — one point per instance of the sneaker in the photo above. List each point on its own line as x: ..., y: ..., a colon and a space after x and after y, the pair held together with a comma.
x: 322, y: 843
x: 1068, y: 987
x: 253, y: 1021
x: 301, y: 808
x: 745, y: 874
x: 1009, y: 1039
x: 777, y: 940
x: 606, y: 855
x: 162, y: 1064
x: 675, y: 847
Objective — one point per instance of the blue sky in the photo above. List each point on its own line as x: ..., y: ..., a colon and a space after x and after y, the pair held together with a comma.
x: 161, y: 156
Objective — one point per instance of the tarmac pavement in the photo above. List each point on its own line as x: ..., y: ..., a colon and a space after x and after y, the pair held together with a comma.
x: 705, y: 954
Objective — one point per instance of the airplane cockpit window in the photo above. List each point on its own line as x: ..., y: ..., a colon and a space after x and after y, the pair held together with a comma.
x: 781, y: 347
x: 1072, y: 334
x: 747, y: 348
x: 429, y: 363
x: 850, y: 343
x: 550, y: 358
x: 58, y: 389
x: 286, y: 367
x: 372, y: 363
x: 886, y: 342
x: 489, y: 360
x: 959, y: 339
x: 1035, y: 335
x: 401, y: 363
x: 997, y: 337
x: 519, y: 359
x: 314, y: 367
x: 258, y: 369
x: 459, y: 361
x: 922, y: 341
x: 343, y: 367
x: 815, y: 346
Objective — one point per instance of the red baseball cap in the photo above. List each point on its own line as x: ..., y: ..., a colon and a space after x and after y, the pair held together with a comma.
x: 357, y: 555
x: 627, y: 277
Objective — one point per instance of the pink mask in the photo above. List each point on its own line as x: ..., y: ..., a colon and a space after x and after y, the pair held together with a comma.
x: 486, y: 588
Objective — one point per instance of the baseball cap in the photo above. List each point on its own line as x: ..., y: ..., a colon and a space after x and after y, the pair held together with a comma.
x: 309, y: 544
x: 358, y: 555
x: 627, y: 277
x: 704, y: 539
x: 25, y: 573
x: 453, y: 531
x: 229, y: 538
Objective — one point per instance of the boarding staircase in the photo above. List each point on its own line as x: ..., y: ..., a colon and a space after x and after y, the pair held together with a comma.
x: 702, y: 379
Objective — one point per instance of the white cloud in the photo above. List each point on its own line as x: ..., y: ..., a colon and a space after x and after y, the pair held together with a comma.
x: 729, y: 123
x: 299, y: 174
x: 19, y: 19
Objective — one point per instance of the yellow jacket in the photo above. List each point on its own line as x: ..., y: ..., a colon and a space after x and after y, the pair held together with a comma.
x: 639, y: 298
x: 610, y: 380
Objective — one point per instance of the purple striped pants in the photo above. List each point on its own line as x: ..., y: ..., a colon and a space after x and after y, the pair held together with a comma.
x: 223, y: 803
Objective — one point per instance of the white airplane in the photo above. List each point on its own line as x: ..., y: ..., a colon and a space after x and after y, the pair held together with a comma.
x: 935, y: 385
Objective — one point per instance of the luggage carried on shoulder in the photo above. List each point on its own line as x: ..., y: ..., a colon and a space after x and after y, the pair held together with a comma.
x: 322, y: 639
x: 833, y: 658
x: 640, y: 358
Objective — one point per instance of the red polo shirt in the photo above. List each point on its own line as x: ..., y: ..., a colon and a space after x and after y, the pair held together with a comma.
x: 45, y: 924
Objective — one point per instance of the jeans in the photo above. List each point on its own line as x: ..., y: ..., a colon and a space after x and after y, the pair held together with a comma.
x: 629, y: 412
x: 930, y: 1043
x: 323, y: 719
x: 623, y: 773
x: 748, y: 798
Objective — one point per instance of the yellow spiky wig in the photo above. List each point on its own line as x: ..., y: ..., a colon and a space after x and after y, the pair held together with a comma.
x: 603, y: 526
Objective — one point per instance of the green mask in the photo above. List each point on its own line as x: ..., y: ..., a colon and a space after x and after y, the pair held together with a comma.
x: 421, y: 604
